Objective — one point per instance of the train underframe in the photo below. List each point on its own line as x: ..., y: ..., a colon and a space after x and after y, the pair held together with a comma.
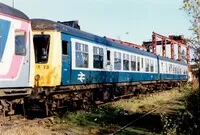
x: 12, y: 101
x: 49, y: 100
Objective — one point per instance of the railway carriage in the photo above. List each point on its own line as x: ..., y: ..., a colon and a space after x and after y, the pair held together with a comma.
x: 67, y: 64
x: 76, y: 57
x: 16, y: 57
x: 82, y: 64
x: 172, y: 70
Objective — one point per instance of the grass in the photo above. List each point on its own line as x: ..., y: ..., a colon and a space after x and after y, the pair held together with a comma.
x: 178, y: 114
x: 176, y: 106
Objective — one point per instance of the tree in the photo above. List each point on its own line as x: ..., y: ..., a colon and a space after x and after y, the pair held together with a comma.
x: 192, y: 8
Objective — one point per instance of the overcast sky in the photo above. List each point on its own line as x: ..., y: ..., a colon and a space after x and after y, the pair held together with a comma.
x: 129, y: 20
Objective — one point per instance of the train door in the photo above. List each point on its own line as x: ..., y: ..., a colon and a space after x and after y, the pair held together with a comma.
x: 65, y: 60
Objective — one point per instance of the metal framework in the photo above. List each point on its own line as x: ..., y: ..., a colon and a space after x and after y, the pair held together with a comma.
x: 158, y: 39
x: 168, y: 40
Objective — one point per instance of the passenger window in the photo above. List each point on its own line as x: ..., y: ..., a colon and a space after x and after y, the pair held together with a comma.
x: 147, y: 65
x: 97, y: 57
x: 161, y: 67
x: 170, y: 68
x: 20, y: 42
x: 152, y: 65
x: 156, y: 66
x: 142, y: 63
x: 82, y: 55
x: 41, y: 46
x: 133, y: 63
x: 64, y: 47
x: 138, y: 63
x: 108, y: 57
x: 125, y: 62
x: 117, y: 59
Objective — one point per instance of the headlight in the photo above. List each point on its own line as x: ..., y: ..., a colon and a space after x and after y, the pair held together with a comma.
x: 37, y: 77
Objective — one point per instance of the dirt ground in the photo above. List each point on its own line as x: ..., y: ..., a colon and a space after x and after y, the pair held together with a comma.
x: 107, y: 120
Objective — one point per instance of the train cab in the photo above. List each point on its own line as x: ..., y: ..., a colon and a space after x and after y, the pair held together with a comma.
x: 47, y: 57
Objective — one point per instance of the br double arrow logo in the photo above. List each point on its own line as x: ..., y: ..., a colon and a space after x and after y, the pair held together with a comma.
x: 81, y: 77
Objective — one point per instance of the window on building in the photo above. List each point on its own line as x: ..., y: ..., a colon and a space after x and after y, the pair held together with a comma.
x: 41, y: 46
x: 82, y: 57
x: 20, y: 42
x: 138, y: 63
x: 64, y: 47
x: 147, y: 65
x: 151, y: 65
x: 98, y: 57
x: 125, y: 62
x: 133, y: 63
x: 117, y: 61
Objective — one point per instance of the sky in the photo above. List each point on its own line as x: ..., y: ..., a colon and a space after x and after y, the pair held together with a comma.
x: 129, y: 20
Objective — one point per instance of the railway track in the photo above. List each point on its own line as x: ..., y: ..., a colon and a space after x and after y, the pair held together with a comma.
x: 22, y: 121
x: 19, y: 120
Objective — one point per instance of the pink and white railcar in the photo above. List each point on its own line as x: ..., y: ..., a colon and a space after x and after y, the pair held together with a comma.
x: 16, y: 53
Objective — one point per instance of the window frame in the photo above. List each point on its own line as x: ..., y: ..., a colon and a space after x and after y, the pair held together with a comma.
x: 117, y: 57
x: 126, y: 61
x: 25, y: 41
x: 133, y: 63
x: 100, y: 53
x: 66, y: 47
x: 82, y: 49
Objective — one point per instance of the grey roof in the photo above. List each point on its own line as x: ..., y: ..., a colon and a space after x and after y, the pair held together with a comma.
x: 12, y: 12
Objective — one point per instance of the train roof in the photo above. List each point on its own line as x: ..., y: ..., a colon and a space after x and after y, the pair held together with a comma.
x: 43, y: 24
x: 172, y: 61
x: 12, y: 12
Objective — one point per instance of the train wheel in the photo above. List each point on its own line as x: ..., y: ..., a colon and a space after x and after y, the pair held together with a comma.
x: 87, y: 100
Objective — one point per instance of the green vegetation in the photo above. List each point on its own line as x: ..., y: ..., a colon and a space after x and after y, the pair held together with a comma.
x: 175, y: 112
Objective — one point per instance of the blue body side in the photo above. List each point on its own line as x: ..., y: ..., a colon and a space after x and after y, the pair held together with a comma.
x: 66, y: 62
x: 111, y: 77
x: 173, y: 77
x: 4, y: 30
x: 70, y: 77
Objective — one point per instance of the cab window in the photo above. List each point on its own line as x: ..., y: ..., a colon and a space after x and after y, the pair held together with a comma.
x: 20, y: 42
x: 41, y: 46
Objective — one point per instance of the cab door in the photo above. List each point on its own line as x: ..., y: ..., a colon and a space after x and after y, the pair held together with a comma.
x: 65, y: 79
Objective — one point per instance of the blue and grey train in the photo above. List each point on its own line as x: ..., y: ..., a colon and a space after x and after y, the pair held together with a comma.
x: 70, y: 59
x: 54, y: 63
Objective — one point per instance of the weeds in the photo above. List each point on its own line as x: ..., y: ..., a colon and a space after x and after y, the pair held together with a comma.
x: 184, y: 121
x: 179, y: 115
